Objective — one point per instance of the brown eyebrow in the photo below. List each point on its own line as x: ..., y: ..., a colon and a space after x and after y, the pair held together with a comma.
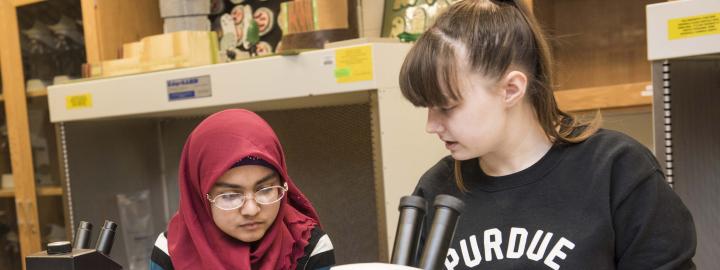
x: 264, y: 179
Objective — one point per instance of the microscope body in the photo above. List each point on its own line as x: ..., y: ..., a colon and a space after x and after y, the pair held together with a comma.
x: 77, y: 259
x: 63, y: 256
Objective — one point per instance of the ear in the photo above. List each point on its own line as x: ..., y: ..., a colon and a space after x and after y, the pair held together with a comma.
x: 514, y: 86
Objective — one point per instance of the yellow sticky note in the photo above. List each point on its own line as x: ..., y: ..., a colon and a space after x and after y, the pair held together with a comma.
x: 78, y: 101
x: 353, y: 64
x: 695, y: 26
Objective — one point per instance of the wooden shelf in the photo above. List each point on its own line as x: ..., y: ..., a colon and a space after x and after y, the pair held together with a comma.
x: 7, y: 193
x: 50, y: 191
x: 604, y: 97
x: 34, y: 94
x: 19, y: 3
x: 43, y: 191
x: 40, y: 93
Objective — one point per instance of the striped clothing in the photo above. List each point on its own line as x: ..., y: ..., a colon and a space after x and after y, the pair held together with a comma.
x: 319, y: 253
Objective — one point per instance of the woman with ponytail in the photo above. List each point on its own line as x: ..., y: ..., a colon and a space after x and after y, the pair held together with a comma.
x: 543, y: 189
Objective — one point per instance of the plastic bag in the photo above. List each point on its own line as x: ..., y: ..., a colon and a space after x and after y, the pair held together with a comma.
x: 137, y: 228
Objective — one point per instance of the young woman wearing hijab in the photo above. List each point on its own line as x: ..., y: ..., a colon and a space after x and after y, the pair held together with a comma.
x: 238, y: 208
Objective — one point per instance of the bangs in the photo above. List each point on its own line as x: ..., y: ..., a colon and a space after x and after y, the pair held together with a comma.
x: 429, y: 75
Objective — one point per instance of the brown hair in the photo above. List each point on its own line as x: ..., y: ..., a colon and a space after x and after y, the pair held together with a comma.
x: 494, y: 36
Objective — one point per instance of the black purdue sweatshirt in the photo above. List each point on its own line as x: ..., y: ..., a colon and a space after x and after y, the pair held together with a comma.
x: 600, y: 204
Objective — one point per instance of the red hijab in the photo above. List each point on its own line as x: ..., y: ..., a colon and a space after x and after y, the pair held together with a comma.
x: 194, y: 241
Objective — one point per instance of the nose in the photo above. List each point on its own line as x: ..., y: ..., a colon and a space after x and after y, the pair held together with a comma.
x: 250, y: 207
x: 433, y: 125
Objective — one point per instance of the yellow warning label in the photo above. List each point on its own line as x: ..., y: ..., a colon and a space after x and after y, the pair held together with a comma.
x: 695, y: 26
x: 78, y: 101
x: 353, y: 64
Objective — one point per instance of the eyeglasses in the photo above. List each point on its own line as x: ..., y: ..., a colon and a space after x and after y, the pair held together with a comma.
x: 264, y: 196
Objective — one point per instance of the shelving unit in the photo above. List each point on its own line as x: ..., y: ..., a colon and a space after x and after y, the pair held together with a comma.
x: 685, y: 55
x: 369, y: 135
x: 18, y: 132
x: 40, y: 205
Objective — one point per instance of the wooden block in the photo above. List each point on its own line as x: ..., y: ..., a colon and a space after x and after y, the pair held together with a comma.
x: 166, y: 51
x: 163, y: 64
x: 336, y: 20
x: 331, y: 14
x: 109, y: 24
x: 133, y: 49
x: 158, y: 47
x: 121, y: 67
x: 301, y: 16
x: 193, y: 48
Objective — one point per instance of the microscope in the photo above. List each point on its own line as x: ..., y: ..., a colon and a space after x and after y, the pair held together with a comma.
x: 405, y: 249
x: 63, y: 256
